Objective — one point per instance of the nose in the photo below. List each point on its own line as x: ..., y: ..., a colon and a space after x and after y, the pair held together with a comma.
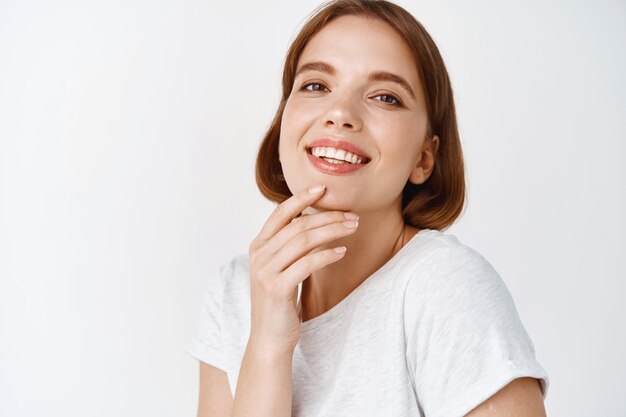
x: 344, y: 113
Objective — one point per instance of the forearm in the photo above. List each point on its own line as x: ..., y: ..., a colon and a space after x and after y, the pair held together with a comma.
x: 264, y: 384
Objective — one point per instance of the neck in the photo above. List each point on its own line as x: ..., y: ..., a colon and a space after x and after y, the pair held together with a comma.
x: 378, y: 238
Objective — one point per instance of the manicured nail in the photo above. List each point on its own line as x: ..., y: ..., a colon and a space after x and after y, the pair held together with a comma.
x: 316, y: 188
x: 351, y: 216
x: 340, y: 249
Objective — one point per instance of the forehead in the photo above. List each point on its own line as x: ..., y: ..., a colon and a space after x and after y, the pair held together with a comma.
x: 362, y: 44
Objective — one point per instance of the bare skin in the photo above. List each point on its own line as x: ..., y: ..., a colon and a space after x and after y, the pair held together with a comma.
x: 520, y: 398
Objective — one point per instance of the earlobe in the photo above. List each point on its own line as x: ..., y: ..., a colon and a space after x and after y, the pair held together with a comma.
x: 417, y: 176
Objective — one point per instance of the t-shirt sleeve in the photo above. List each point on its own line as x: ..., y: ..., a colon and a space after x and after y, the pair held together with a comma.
x: 206, y: 345
x: 465, y: 340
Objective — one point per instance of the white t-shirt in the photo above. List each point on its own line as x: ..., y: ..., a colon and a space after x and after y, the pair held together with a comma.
x: 434, y: 332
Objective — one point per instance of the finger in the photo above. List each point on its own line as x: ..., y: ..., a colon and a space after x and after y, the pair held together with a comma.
x: 301, y: 269
x: 287, y: 210
x: 303, y: 243
x: 302, y: 224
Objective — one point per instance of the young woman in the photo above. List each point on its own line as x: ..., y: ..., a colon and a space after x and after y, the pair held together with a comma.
x: 393, y: 317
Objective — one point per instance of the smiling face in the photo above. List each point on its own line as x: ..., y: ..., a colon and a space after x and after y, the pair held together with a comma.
x: 357, y: 82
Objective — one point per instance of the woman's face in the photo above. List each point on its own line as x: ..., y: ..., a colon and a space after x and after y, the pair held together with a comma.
x: 357, y: 82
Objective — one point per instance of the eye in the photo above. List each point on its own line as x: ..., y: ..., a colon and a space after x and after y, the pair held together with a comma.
x: 389, y: 99
x: 314, y: 87
x: 385, y: 98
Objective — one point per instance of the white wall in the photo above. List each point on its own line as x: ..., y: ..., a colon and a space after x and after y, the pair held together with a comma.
x: 128, y: 134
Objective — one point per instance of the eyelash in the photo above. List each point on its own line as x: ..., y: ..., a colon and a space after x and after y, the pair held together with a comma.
x: 398, y: 103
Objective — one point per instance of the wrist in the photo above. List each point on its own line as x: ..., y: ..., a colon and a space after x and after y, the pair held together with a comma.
x: 269, y: 351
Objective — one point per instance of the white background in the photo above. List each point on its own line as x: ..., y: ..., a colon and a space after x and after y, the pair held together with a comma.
x: 128, y: 134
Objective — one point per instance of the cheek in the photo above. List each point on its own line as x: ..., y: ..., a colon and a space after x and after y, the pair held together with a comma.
x: 396, y: 135
x: 291, y: 130
x: 398, y: 140
x: 298, y: 115
x: 296, y: 122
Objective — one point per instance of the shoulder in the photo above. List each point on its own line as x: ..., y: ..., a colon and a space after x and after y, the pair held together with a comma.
x: 441, y: 261
x: 461, y: 325
x: 450, y: 275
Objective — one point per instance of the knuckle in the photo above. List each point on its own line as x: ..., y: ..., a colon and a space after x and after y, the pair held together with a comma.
x: 253, y: 257
x: 303, y: 239
x: 340, y: 216
x: 340, y: 228
x: 299, y: 224
x: 307, y: 263
x: 279, y: 211
x: 253, y: 246
x: 260, y: 275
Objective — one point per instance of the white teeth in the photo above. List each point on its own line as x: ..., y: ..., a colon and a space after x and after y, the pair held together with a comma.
x: 339, y: 154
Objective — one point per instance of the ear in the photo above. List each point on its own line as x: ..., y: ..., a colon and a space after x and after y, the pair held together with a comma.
x: 426, y: 163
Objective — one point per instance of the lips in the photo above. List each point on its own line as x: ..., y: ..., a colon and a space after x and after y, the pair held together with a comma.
x: 329, y: 168
x: 339, y: 144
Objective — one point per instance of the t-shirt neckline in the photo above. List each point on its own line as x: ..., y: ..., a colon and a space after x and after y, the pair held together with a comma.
x: 329, y: 315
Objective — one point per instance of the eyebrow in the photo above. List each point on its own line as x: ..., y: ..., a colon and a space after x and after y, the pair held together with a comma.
x: 375, y: 76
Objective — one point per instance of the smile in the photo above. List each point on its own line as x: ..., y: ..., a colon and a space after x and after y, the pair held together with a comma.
x: 335, y: 162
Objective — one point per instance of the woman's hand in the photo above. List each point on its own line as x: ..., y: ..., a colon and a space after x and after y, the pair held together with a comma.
x: 280, y: 258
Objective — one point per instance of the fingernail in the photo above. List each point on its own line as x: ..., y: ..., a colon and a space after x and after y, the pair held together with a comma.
x: 351, y: 224
x: 316, y: 188
x: 340, y: 249
x: 351, y: 216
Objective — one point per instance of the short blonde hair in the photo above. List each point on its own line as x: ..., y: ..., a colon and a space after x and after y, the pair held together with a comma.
x: 434, y: 204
